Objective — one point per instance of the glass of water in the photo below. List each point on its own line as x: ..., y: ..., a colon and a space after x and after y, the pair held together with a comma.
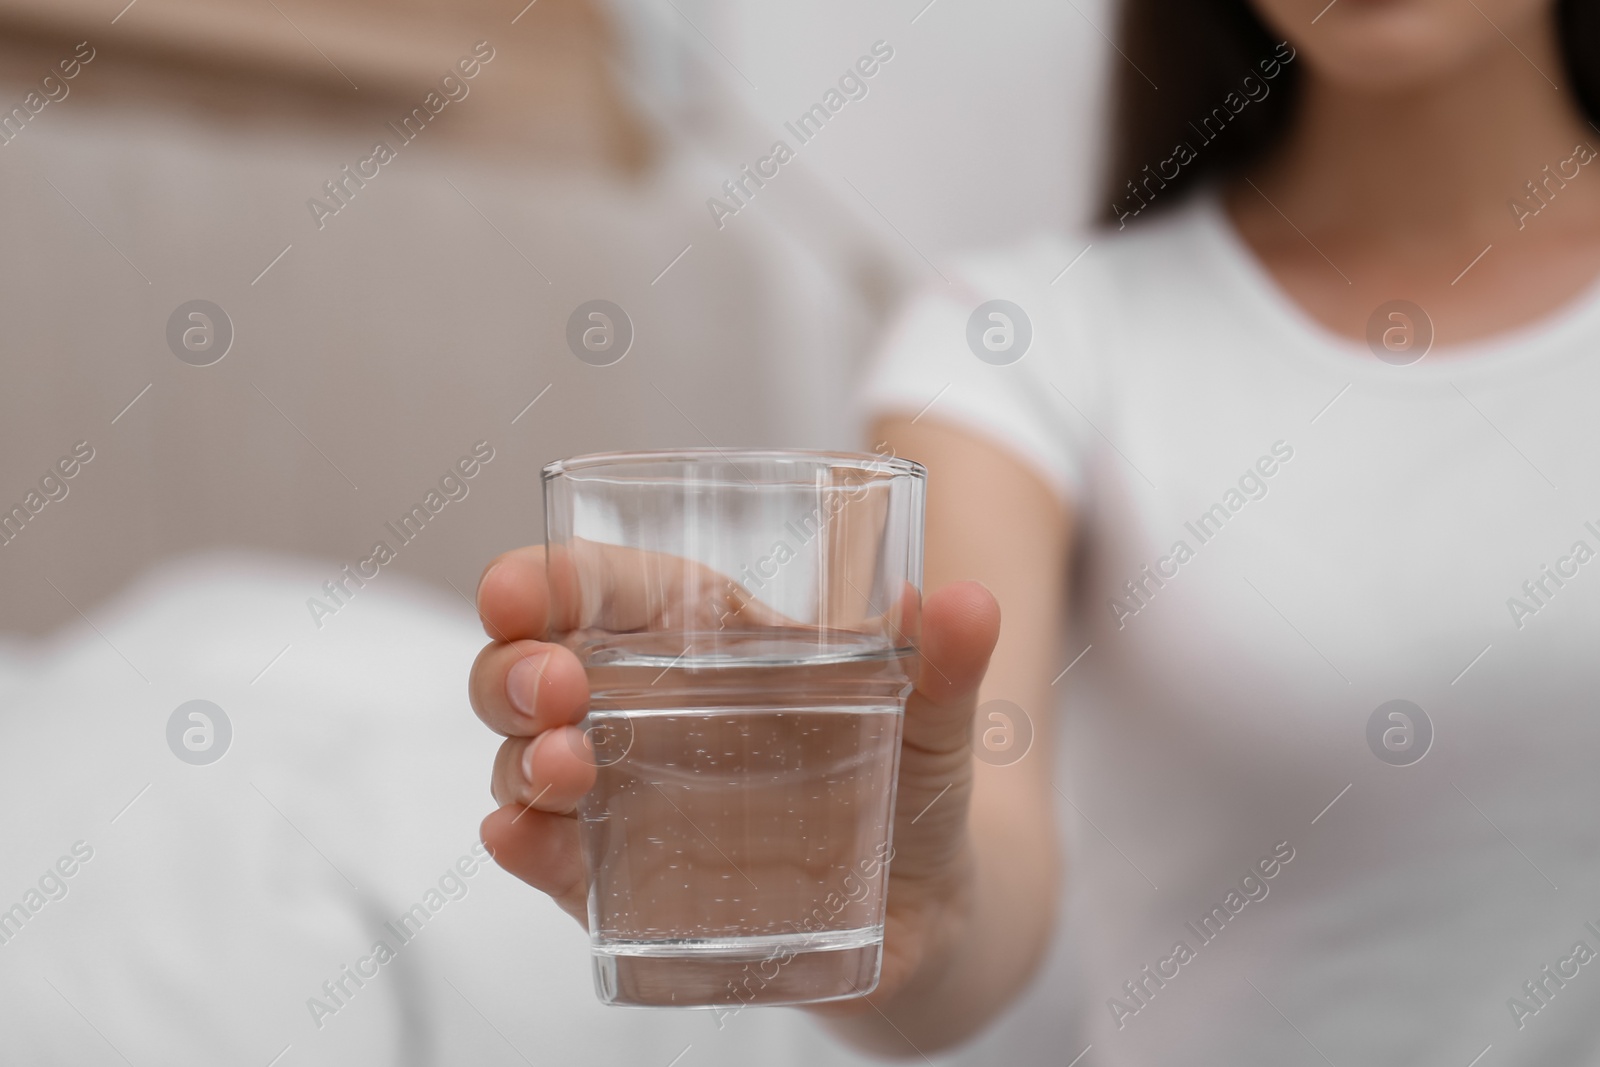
x: 747, y: 623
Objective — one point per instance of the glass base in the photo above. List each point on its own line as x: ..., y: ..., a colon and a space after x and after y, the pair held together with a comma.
x: 750, y: 971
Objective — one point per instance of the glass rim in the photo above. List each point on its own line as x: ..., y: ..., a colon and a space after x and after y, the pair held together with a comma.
x: 873, y: 462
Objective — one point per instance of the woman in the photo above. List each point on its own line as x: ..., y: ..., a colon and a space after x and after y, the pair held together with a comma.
x: 1282, y: 484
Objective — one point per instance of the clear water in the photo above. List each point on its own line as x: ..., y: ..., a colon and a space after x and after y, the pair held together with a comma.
x: 740, y: 822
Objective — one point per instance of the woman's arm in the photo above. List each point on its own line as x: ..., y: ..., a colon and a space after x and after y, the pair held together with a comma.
x: 992, y: 519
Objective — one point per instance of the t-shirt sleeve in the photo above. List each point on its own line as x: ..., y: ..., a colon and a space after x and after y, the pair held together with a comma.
x: 928, y: 367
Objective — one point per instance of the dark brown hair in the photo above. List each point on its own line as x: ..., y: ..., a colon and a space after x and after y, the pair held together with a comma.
x: 1201, y: 51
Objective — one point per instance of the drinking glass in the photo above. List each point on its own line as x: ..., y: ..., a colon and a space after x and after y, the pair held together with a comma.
x: 747, y: 623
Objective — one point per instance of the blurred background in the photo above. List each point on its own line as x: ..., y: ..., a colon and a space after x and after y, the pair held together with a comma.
x: 426, y: 314
x: 347, y: 357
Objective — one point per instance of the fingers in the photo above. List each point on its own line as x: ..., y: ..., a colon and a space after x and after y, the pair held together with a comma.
x: 534, y: 593
x: 960, y: 626
x: 542, y: 850
x: 514, y: 595
x: 528, y: 686
x: 547, y: 772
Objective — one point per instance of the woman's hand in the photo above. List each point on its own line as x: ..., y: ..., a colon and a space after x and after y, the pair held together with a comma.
x: 534, y: 692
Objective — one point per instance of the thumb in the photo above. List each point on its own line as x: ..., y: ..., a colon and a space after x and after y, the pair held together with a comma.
x: 960, y: 625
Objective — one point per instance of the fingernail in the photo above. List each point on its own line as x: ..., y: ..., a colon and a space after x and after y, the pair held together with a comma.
x: 484, y: 577
x: 527, y: 758
x: 522, y: 683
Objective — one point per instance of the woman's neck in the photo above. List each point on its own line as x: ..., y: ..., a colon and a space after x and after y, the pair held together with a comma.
x: 1424, y: 195
x: 1449, y: 155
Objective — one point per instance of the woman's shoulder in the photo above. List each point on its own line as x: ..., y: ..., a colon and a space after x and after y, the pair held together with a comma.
x: 1061, y: 287
x: 1097, y: 266
x: 1005, y: 342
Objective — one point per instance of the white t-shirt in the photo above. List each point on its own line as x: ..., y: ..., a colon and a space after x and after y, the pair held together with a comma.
x: 1311, y: 533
